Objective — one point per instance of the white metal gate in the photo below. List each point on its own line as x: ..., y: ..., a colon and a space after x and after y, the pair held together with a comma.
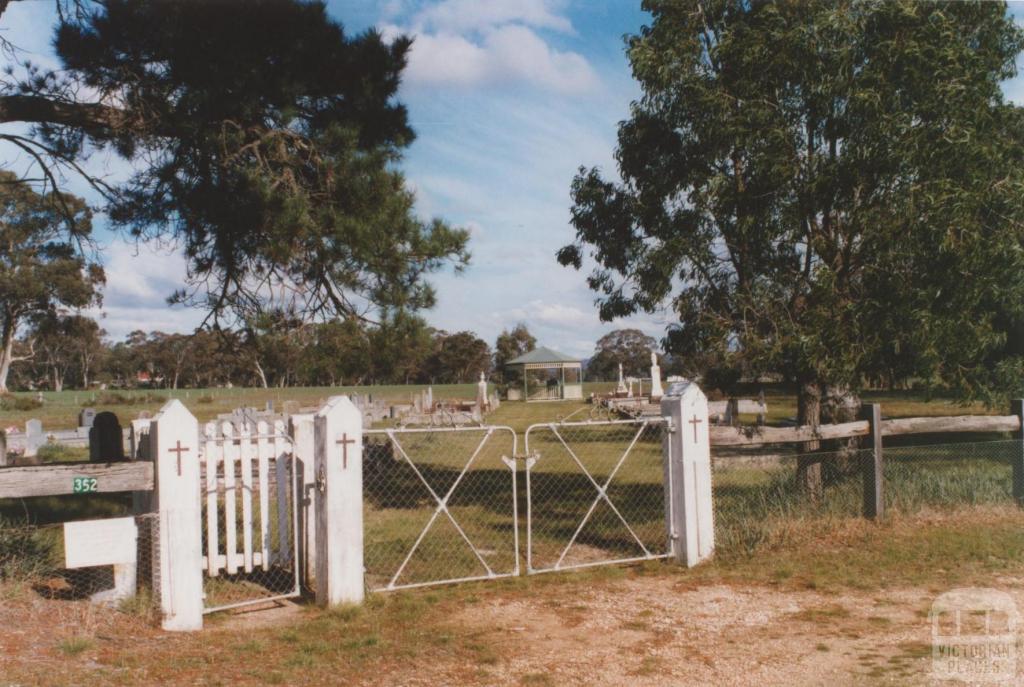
x: 439, y: 506
x: 249, y: 515
x: 595, y: 493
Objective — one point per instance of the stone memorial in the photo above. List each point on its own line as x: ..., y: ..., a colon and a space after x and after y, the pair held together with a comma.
x: 86, y: 416
x: 34, y: 437
x: 656, y: 391
x: 106, y: 439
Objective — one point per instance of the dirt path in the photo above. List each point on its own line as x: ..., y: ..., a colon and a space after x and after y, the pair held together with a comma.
x: 658, y: 631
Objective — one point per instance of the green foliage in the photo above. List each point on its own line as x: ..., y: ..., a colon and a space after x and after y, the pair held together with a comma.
x: 264, y: 139
x: 24, y: 554
x: 827, y: 190
x: 629, y: 347
x: 22, y: 403
x: 509, y: 346
x: 40, y: 267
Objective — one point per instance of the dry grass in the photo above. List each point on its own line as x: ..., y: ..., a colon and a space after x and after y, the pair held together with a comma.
x: 396, y: 637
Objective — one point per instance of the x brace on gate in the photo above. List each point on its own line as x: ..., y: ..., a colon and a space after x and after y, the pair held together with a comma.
x: 602, y: 492
x: 442, y: 506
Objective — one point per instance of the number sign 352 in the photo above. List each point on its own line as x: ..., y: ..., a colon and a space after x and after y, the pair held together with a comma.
x: 81, y: 485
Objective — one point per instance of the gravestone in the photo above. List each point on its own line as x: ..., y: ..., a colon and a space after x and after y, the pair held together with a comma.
x: 86, y: 416
x: 270, y: 406
x: 656, y: 391
x: 430, y: 397
x: 621, y: 388
x: 34, y: 437
x: 106, y: 440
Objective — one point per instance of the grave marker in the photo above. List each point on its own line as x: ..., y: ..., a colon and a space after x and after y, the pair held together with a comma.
x: 106, y: 439
x: 86, y: 416
x: 34, y: 437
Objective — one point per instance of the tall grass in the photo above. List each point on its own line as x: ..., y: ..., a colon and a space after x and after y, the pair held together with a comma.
x: 761, y: 506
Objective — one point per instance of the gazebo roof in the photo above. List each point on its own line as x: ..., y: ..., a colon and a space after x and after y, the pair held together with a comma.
x: 542, y: 355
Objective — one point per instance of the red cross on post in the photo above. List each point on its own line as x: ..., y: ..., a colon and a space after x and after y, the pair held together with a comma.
x: 344, y: 441
x: 695, y: 422
x: 179, y: 449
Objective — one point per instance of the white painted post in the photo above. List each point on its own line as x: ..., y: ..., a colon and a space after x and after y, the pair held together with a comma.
x: 174, y: 445
x: 304, y: 449
x: 687, y: 462
x: 338, y: 429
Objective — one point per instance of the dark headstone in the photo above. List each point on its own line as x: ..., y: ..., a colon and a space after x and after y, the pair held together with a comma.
x: 106, y: 440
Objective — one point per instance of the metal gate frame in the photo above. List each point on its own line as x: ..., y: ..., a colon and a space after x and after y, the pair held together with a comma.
x: 532, y: 459
x: 278, y: 435
x: 442, y: 502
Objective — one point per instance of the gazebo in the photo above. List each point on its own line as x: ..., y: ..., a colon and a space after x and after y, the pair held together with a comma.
x: 549, y: 375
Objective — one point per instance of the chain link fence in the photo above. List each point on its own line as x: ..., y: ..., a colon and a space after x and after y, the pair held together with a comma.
x: 595, y: 493
x: 439, y: 506
x: 764, y: 500
x: 32, y: 556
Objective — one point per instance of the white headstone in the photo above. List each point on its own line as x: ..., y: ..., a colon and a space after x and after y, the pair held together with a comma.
x: 688, y: 501
x: 621, y: 388
x: 656, y: 391
x: 481, y: 392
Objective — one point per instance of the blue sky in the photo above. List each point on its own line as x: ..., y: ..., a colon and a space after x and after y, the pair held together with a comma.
x: 508, y: 98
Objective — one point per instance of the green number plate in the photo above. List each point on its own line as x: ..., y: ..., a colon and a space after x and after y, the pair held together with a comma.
x: 82, y: 485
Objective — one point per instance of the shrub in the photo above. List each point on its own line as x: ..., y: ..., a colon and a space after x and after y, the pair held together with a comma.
x: 11, y: 402
x: 24, y: 555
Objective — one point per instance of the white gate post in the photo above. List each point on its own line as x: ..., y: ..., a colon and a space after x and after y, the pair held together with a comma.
x: 338, y: 429
x: 304, y: 450
x: 687, y: 463
x: 174, y: 445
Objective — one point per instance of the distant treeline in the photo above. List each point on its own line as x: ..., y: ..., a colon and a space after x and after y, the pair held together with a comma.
x: 277, y: 351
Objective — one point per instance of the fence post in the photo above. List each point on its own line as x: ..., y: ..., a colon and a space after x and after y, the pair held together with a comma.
x: 871, y: 466
x: 687, y: 464
x: 174, y: 445
x: 338, y: 436
x: 304, y: 449
x: 1017, y: 408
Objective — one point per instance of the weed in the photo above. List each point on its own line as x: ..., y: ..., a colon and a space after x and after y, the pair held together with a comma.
x: 73, y: 646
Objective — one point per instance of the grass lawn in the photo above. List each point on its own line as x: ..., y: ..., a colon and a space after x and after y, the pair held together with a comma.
x: 851, y: 600
x: 59, y: 410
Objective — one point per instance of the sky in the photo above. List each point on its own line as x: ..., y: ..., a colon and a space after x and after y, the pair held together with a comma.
x: 508, y: 99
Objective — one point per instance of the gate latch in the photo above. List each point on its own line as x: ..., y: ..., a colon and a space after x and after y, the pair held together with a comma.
x: 321, y: 480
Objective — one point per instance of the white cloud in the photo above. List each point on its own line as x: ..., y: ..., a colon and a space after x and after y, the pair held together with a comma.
x: 464, y: 43
x: 459, y: 16
x: 139, y: 280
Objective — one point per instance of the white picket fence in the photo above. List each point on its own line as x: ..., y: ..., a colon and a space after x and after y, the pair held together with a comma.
x: 247, y: 463
x: 238, y: 500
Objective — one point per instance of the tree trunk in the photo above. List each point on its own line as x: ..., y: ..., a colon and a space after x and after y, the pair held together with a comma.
x: 58, y: 380
x: 842, y: 405
x: 808, y: 467
x: 6, y: 354
x: 259, y: 371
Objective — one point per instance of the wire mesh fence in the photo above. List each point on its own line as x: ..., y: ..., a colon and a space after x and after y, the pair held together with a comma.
x: 761, y: 501
x: 249, y: 517
x: 439, y: 506
x: 949, y: 475
x: 595, y: 493
x: 33, y: 556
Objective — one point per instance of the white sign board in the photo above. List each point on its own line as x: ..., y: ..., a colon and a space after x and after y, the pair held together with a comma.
x: 100, y: 542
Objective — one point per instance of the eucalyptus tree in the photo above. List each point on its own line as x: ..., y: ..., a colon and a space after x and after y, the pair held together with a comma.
x: 41, y: 269
x: 818, y: 189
